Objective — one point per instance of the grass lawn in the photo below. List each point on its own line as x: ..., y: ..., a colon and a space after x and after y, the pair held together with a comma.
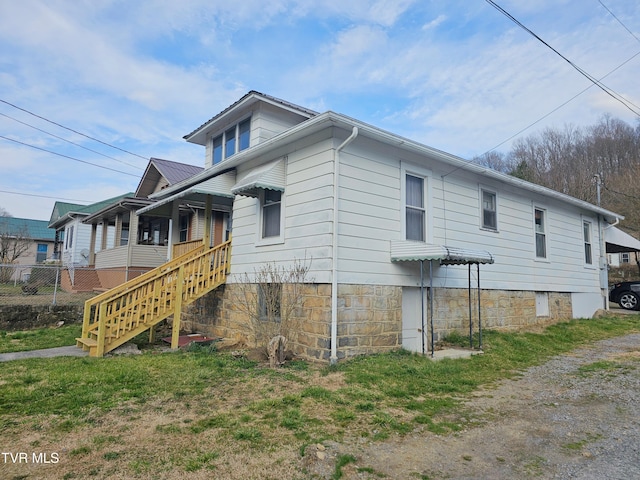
x: 40, y: 338
x: 205, y: 414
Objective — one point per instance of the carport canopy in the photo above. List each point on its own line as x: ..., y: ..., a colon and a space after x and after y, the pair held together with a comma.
x: 618, y: 241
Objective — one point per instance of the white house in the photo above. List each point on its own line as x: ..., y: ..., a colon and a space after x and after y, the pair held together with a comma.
x: 399, y: 235
x: 66, y: 218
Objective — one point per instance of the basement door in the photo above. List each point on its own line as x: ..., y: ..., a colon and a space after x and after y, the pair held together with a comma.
x: 412, y: 332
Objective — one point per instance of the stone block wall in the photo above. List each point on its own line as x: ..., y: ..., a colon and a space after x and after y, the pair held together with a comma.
x: 370, y: 316
x: 369, y: 319
x: 500, y: 309
x: 25, y: 317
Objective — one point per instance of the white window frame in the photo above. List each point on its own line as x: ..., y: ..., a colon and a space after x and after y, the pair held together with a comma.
x: 222, y: 137
x: 276, y: 239
x: 544, y: 233
x: 490, y: 191
x: 426, y: 175
x: 587, y: 242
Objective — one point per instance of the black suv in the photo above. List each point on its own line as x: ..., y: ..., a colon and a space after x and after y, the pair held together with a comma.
x: 626, y: 294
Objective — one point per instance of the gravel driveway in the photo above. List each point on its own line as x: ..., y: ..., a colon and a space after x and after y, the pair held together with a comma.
x: 577, y: 416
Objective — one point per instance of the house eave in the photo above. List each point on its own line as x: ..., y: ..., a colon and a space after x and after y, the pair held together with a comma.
x: 199, y: 135
x: 331, y: 119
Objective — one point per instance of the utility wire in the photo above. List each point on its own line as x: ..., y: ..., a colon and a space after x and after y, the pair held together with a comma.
x: 67, y: 156
x: 595, y: 81
x: 72, y: 130
x: 620, y: 193
x: 619, y: 21
x: 40, y: 196
x: 68, y: 141
x: 560, y: 106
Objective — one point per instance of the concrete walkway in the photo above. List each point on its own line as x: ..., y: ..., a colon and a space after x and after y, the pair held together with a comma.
x: 45, y: 353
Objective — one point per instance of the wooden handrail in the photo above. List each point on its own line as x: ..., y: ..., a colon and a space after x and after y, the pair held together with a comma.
x: 118, y: 315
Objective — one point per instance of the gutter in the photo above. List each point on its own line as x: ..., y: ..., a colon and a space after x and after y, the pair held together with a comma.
x: 334, y: 269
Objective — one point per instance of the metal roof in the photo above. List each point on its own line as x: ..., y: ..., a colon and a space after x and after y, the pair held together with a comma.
x: 618, y: 241
x: 252, y: 97
x: 172, y: 172
x: 34, y: 229
x: 416, y: 251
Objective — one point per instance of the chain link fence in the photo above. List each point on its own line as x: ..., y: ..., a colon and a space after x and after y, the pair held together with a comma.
x: 55, y: 284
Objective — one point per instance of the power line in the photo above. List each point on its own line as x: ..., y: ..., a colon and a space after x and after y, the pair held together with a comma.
x: 561, y: 105
x: 68, y: 141
x: 67, y: 156
x: 595, y: 81
x: 620, y: 193
x: 72, y: 130
x: 40, y: 196
x: 619, y: 21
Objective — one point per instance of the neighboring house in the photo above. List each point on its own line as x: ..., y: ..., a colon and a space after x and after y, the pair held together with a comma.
x: 383, y: 221
x: 66, y: 218
x: 32, y: 237
x: 621, y: 247
x: 135, y: 244
x: 107, y: 244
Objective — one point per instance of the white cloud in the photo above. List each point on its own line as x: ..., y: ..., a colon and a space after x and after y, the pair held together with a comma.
x: 435, y: 22
x: 453, y: 74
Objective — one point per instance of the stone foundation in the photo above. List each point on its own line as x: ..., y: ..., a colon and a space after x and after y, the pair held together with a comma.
x: 500, y: 310
x: 370, y: 316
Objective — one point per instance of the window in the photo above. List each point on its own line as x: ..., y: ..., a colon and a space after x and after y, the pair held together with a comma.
x: 41, y: 256
x: 541, y: 235
x: 184, y: 228
x: 244, y: 134
x: 230, y: 142
x: 586, y: 229
x: 414, y: 208
x: 233, y: 140
x: 624, y: 257
x: 271, y: 206
x: 217, y: 149
x: 269, y: 300
x: 69, y: 236
x: 489, y: 214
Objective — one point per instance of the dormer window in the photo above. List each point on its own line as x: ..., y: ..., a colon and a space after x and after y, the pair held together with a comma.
x: 232, y: 141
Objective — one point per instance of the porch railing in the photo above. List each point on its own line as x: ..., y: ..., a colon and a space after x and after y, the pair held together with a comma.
x: 118, y: 315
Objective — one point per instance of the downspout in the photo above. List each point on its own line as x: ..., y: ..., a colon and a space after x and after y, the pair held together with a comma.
x: 334, y: 269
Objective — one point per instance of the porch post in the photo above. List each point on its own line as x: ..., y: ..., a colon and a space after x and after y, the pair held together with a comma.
x: 174, y: 228
x: 177, y: 310
x: 92, y: 244
x: 118, y: 235
x: 105, y: 229
x: 206, y: 239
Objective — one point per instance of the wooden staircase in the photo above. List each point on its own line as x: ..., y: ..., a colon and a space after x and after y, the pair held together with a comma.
x: 118, y: 315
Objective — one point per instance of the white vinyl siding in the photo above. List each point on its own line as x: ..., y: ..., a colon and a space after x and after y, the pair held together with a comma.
x: 371, y: 215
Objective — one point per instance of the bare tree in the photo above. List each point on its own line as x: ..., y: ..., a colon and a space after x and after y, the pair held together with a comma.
x: 4, y: 212
x: 495, y: 161
x: 13, y: 244
x: 271, y: 299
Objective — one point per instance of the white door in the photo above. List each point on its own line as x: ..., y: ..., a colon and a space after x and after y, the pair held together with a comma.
x: 412, y: 333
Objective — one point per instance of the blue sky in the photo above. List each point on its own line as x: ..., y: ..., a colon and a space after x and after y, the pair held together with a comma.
x: 454, y: 74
